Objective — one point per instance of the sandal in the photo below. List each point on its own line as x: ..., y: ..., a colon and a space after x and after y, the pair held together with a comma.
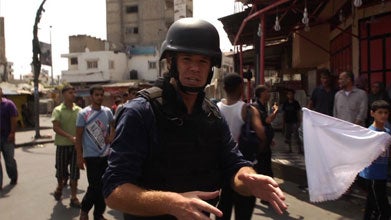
x: 57, y: 194
x: 75, y: 203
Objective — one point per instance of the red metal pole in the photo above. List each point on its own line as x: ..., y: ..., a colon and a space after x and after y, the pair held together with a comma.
x: 262, y: 51
x: 241, y: 61
x: 251, y: 16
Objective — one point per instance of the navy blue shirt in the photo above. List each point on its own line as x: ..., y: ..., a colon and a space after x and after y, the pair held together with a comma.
x: 136, y: 135
x: 291, y: 111
x: 323, y: 100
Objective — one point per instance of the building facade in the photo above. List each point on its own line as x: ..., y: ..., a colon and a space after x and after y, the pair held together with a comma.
x: 95, y: 67
x: 143, y: 22
x: 341, y: 35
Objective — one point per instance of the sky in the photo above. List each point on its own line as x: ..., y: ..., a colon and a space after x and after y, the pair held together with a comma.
x: 63, y: 18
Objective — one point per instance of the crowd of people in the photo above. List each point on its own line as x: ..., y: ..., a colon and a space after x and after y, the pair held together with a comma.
x: 168, y: 152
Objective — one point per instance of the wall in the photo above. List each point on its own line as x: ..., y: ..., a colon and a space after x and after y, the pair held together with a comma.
x: 2, y: 41
x: 79, y: 73
x: 306, y: 54
x: 79, y: 43
x: 153, y: 20
x: 140, y: 64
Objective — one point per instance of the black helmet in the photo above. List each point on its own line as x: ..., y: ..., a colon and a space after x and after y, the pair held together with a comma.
x: 190, y: 35
x: 195, y: 36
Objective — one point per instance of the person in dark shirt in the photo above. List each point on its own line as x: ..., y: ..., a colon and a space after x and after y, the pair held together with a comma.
x: 322, y: 98
x: 173, y: 150
x: 264, y: 158
x: 291, y: 118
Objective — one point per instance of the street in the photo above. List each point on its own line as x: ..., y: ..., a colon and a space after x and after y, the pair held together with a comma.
x: 32, y: 197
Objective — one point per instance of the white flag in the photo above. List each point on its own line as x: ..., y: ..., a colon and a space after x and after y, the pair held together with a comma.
x: 335, y: 152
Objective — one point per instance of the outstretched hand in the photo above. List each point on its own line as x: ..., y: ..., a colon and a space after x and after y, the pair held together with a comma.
x: 193, y: 206
x: 265, y: 188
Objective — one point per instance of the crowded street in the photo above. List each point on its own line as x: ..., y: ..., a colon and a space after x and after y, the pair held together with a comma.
x: 32, y: 198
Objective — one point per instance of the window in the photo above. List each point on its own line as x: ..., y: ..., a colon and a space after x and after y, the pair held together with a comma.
x: 131, y: 9
x: 74, y: 61
x: 375, y: 53
x: 111, y: 64
x: 151, y: 64
x: 92, y: 64
x: 131, y: 30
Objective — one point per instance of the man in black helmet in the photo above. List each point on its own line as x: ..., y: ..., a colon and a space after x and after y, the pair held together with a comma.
x: 173, y: 150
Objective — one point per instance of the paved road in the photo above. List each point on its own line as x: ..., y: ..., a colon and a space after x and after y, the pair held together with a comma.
x: 32, y: 197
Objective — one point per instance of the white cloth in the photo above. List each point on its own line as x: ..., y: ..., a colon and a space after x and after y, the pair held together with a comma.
x: 335, y: 152
x: 233, y: 116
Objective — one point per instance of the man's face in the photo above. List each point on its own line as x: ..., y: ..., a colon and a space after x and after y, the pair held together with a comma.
x: 193, y: 69
x: 343, y: 81
x: 69, y: 95
x: 97, y: 97
x: 380, y: 115
x: 375, y: 88
x: 265, y: 95
x: 132, y: 95
x: 325, y: 81
x: 290, y: 95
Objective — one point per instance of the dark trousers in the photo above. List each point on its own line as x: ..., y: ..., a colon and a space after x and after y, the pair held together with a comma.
x: 264, y: 158
x: 96, y: 166
x: 244, y: 205
x: 8, y: 151
x: 377, y: 205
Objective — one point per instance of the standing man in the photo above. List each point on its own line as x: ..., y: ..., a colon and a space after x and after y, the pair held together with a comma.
x: 262, y: 93
x: 322, y: 98
x: 173, y: 150
x: 291, y: 119
x: 8, y: 117
x: 235, y: 113
x: 350, y: 103
x: 94, y: 133
x: 64, y: 125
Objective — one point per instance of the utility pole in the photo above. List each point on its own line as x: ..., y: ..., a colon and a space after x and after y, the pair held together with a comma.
x: 51, y: 57
x: 37, y: 67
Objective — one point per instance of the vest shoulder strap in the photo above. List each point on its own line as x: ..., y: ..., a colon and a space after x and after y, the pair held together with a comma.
x: 151, y: 94
x: 212, y: 108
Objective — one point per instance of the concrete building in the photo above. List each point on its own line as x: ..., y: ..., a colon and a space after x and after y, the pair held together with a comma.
x: 143, y: 22
x: 135, y: 31
x: 5, y: 67
x: 95, y: 67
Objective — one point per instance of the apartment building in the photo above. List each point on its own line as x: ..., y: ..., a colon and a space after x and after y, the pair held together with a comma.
x: 135, y: 31
x: 143, y: 22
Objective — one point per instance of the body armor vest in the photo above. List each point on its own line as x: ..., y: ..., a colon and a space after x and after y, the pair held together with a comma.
x: 186, y: 156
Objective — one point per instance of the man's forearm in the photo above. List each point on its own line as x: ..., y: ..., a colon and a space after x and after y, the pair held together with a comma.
x: 131, y: 199
x: 14, y: 122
